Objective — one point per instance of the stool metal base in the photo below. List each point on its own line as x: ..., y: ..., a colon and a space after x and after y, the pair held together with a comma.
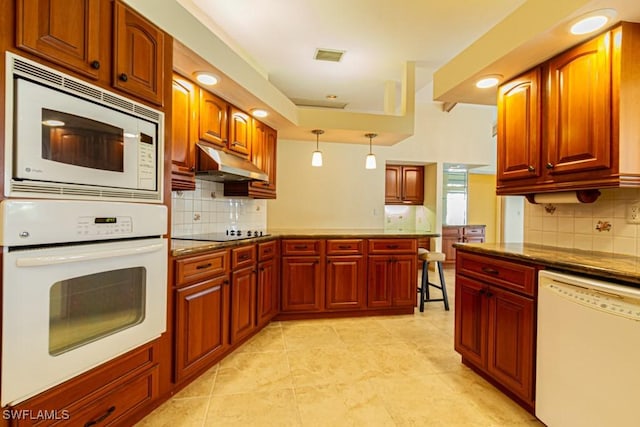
x: 424, y: 286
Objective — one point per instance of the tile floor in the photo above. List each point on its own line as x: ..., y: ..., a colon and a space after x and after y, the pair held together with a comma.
x: 375, y: 371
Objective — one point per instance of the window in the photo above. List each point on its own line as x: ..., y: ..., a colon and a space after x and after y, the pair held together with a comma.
x: 454, y: 195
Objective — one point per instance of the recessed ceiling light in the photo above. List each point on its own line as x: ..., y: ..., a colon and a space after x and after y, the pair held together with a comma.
x: 593, y: 21
x: 488, y: 81
x: 53, y: 123
x: 332, y: 96
x: 206, y: 78
x: 259, y: 112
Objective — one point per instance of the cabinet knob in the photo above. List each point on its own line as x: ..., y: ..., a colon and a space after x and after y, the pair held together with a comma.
x: 531, y: 168
x: 549, y: 166
x: 123, y: 77
x: 95, y: 65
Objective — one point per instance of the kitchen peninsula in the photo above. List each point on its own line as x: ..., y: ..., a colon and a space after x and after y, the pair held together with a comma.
x: 225, y: 292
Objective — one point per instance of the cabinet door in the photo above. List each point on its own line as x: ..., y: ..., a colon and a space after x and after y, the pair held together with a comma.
x: 413, y: 184
x: 379, y: 288
x: 448, y: 249
x: 202, y: 313
x: 184, y: 134
x: 268, y: 296
x: 393, y: 185
x: 213, y: 119
x: 302, y: 284
x: 579, y: 122
x: 138, y: 55
x: 263, y: 155
x: 471, y: 320
x: 404, y: 280
x: 239, y: 132
x: 519, y: 143
x: 345, y: 282
x: 243, y: 303
x: 71, y: 33
x: 510, y: 341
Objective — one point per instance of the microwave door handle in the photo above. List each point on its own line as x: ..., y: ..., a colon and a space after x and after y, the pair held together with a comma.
x: 63, y: 259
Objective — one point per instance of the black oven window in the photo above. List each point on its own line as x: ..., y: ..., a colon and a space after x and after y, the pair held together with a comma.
x: 87, y: 308
x: 75, y: 140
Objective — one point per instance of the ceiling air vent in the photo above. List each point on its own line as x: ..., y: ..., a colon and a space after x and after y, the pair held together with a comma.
x: 328, y: 55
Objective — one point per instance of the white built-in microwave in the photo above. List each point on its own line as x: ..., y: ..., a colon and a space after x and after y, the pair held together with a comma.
x: 66, y: 138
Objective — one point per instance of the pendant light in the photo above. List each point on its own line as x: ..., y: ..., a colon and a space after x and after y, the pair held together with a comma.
x: 316, y: 157
x: 370, y: 163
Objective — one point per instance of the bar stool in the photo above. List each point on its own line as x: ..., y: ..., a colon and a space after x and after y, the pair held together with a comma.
x: 426, y: 257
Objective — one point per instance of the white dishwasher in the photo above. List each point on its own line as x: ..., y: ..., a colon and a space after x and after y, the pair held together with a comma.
x: 588, y: 352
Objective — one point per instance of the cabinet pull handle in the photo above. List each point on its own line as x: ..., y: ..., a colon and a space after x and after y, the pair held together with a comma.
x: 123, y: 77
x: 392, y: 246
x: 344, y: 247
x: 226, y: 282
x: 490, y: 270
x: 101, y: 417
x: 261, y: 268
x: 265, y: 184
x: 489, y: 294
x: 95, y: 65
x: 202, y: 266
x: 482, y: 291
x: 549, y: 166
x: 268, y: 251
x: 243, y: 257
x: 300, y: 247
x: 531, y: 169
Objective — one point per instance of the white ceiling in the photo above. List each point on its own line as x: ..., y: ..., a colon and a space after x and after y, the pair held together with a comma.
x: 280, y: 37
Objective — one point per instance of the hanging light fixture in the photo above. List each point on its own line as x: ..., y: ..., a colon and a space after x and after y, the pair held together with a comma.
x: 370, y: 163
x: 316, y: 157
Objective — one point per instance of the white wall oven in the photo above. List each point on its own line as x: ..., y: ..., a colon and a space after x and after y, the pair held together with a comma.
x: 83, y: 282
x: 74, y: 140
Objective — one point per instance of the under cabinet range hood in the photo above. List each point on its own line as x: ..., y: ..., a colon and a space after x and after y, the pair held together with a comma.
x: 216, y: 165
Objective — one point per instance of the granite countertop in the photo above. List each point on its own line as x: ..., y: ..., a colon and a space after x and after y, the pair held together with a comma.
x: 190, y: 247
x: 603, y: 265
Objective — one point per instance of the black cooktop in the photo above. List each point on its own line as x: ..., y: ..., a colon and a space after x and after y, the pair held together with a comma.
x: 221, y: 237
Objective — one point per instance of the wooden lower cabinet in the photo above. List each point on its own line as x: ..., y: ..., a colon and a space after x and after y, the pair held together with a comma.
x: 302, y: 283
x: 268, y: 304
x: 452, y: 234
x: 392, y: 281
x: 202, y: 325
x: 345, y: 282
x: 495, y: 325
x: 111, y: 394
x: 243, y: 303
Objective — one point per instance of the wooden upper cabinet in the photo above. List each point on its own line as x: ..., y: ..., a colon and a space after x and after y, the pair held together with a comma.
x: 404, y: 185
x: 213, y: 119
x: 73, y: 33
x: 393, y: 185
x: 263, y: 155
x: 579, y: 108
x: 239, y: 132
x: 413, y: 184
x: 138, y: 55
x: 519, y: 139
x: 184, y: 133
x: 587, y: 110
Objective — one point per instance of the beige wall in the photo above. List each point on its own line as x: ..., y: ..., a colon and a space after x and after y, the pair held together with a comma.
x: 482, y: 202
x: 344, y: 194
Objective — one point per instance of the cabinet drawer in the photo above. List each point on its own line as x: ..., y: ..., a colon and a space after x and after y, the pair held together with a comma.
x: 201, y: 267
x: 396, y: 246
x: 81, y: 397
x: 301, y: 247
x: 473, y: 231
x: 119, y: 401
x: 244, y: 256
x: 345, y: 247
x: 451, y: 231
x: 510, y: 275
x: 267, y: 250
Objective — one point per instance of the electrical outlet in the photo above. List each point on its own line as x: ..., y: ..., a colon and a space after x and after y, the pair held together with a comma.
x: 633, y: 213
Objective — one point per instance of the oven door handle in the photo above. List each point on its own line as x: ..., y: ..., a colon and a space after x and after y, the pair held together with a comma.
x: 62, y: 259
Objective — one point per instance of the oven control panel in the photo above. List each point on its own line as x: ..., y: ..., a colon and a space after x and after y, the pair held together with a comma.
x: 104, y: 226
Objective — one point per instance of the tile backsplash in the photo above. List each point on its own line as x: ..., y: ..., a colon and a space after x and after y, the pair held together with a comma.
x: 600, y: 226
x: 403, y: 217
x: 206, y: 210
